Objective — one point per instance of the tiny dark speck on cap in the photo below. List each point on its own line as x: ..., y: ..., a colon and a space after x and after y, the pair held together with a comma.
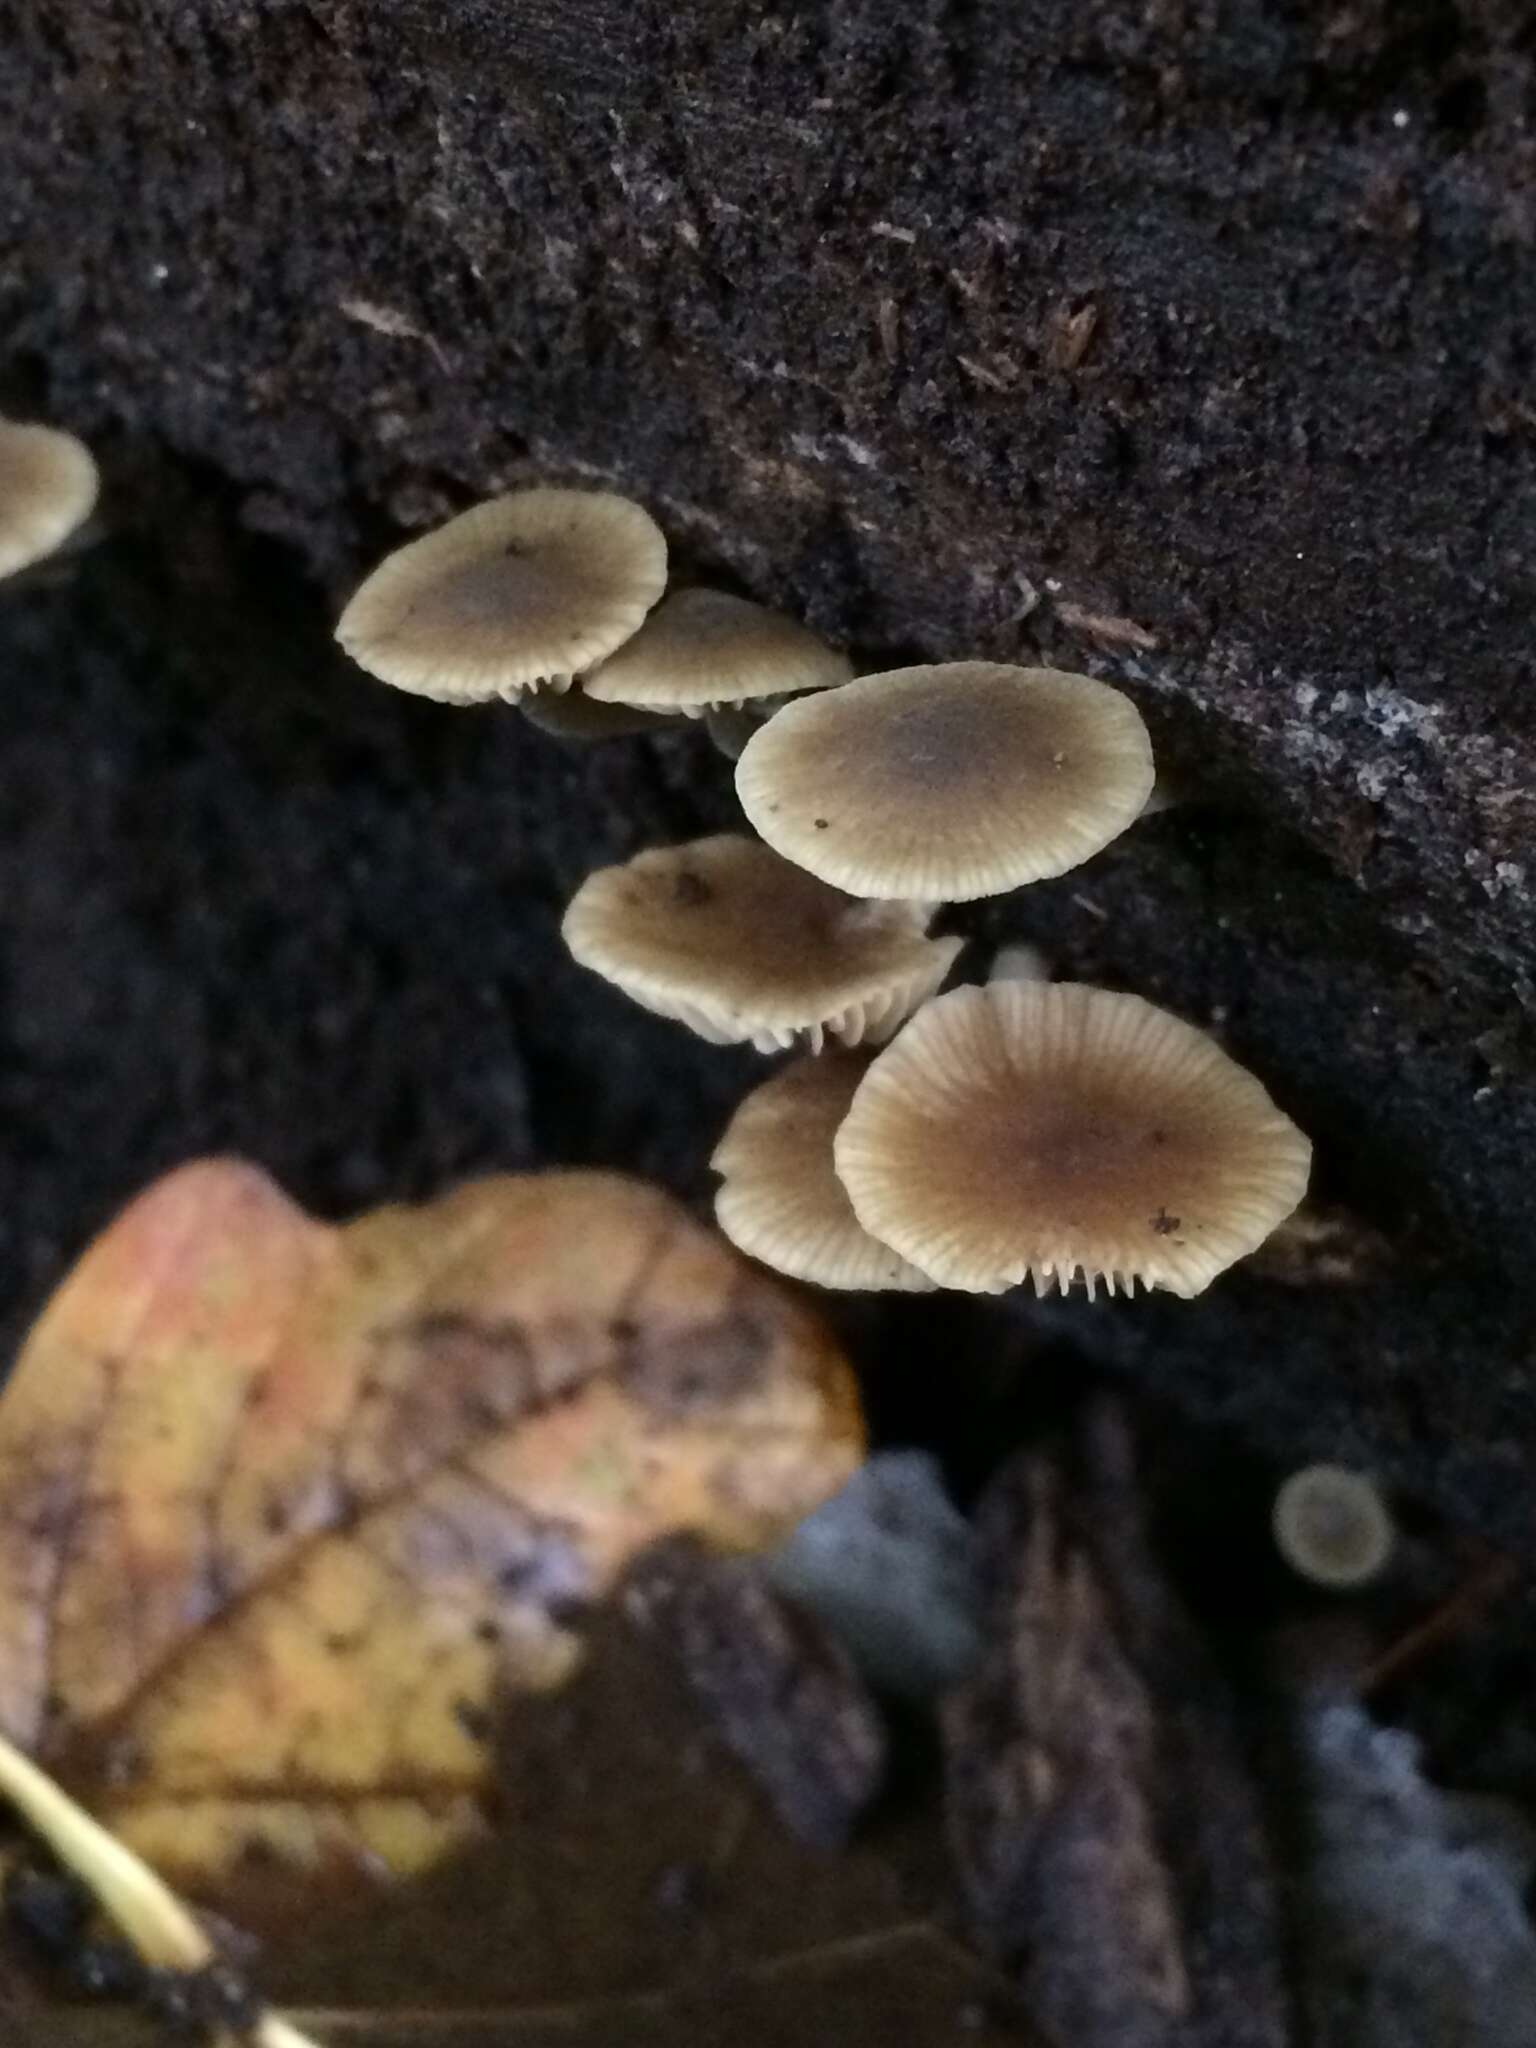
x: 821, y: 824
x: 690, y: 891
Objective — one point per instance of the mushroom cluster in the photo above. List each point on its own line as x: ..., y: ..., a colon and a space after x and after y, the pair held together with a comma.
x: 1021, y: 1131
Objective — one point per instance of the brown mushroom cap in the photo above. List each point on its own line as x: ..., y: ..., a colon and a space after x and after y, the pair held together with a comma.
x: 946, y: 783
x: 522, y: 593
x: 739, y: 945
x: 48, y: 487
x: 705, y: 647
x: 1333, y: 1526
x: 1046, y: 1131
x: 781, y: 1202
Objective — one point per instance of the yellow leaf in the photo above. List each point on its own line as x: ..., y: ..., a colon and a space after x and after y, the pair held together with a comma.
x: 283, y: 1507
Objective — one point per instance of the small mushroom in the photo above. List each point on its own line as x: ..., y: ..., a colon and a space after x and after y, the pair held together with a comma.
x: 781, y: 1202
x: 701, y: 648
x: 1332, y: 1526
x: 521, y: 593
x: 1044, y: 1131
x: 742, y: 947
x: 945, y: 783
x: 573, y: 715
x: 48, y: 488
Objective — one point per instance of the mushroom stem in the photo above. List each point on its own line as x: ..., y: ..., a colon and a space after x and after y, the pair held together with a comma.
x: 1019, y: 961
x: 730, y: 727
x: 573, y: 715
x: 141, y: 1905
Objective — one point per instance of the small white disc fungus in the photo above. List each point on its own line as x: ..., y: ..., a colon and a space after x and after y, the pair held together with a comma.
x: 1333, y: 1526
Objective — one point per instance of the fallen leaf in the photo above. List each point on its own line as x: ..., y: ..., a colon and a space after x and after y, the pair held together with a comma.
x: 285, y: 1508
x: 640, y: 1893
x: 643, y: 1894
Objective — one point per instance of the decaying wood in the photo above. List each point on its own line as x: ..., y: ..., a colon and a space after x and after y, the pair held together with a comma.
x: 779, y: 1689
x: 1107, y: 1831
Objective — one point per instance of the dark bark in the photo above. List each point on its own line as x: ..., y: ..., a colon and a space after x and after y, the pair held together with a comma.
x: 1103, y: 1817
x: 774, y: 1684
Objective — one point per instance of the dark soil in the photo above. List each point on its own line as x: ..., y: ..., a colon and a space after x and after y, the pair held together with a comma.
x: 991, y: 328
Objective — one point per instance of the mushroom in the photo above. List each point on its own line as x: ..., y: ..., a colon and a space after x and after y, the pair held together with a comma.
x: 945, y: 783
x: 1046, y: 1130
x: 48, y: 488
x: 521, y: 593
x: 1332, y: 1526
x: 742, y: 947
x: 781, y: 1202
x: 572, y: 715
x: 702, y: 648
